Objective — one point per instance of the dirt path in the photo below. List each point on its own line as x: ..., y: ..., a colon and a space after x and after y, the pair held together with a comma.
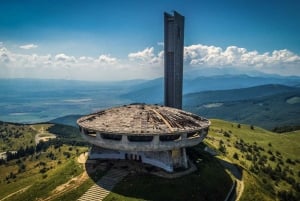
x: 82, y: 158
x: 72, y: 183
x: 40, y: 135
x: 68, y: 186
x: 239, y: 189
x: 238, y: 177
x: 19, y: 191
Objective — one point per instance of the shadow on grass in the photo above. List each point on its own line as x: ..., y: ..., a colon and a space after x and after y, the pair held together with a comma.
x: 232, y: 168
x: 209, y: 182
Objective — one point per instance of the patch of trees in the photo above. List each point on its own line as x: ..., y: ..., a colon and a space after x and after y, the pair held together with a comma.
x: 41, y: 147
x: 13, y: 130
x: 64, y: 131
x: 21, y: 152
x: 288, y: 196
x: 260, y: 166
x: 284, y: 129
x: 246, y: 147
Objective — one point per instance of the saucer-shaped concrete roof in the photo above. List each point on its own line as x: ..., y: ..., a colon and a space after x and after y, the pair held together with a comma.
x: 142, y: 119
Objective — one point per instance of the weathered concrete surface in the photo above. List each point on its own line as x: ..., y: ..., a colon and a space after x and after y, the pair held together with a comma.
x: 140, y: 119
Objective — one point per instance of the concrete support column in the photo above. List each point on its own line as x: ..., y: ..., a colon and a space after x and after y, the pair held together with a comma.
x: 170, y: 160
x: 98, y: 136
x: 184, y: 158
x: 155, y: 140
x: 124, y: 139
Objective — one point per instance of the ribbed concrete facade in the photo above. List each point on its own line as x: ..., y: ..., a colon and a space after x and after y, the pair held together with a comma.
x: 173, y: 46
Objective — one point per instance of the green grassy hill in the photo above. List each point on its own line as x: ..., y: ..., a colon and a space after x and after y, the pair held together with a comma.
x: 14, y: 136
x: 40, y: 173
x: 270, y: 161
x: 35, y: 171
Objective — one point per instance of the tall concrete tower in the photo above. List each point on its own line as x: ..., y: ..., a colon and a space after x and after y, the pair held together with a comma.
x: 174, y: 39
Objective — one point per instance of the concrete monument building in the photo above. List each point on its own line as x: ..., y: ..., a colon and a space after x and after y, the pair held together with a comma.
x: 152, y: 134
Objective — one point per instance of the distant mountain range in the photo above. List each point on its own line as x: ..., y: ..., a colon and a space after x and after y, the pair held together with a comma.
x: 267, y: 106
x: 205, y: 97
x: 69, y: 120
x: 152, y: 91
x: 267, y: 101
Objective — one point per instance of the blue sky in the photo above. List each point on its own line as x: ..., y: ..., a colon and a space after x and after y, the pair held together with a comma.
x: 113, y: 40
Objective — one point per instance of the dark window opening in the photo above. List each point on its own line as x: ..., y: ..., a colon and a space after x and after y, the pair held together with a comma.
x: 192, y: 135
x: 90, y: 133
x: 169, y: 137
x: 137, y: 138
x: 111, y: 136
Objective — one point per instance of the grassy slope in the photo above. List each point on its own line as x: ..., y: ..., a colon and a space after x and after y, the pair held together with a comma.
x: 147, y: 187
x: 258, y: 184
x: 286, y: 143
x: 12, y: 136
x: 58, y: 169
x: 41, y: 184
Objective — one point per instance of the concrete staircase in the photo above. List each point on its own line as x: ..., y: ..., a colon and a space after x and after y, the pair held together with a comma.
x: 103, y: 187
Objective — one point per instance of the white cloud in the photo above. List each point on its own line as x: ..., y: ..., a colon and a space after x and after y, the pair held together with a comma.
x: 146, y: 63
x: 107, y: 59
x: 64, y: 58
x: 4, y: 55
x: 146, y: 56
x: 202, y: 55
x: 28, y: 46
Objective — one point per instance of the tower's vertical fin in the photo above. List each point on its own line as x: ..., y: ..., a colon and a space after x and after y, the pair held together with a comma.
x: 173, y: 47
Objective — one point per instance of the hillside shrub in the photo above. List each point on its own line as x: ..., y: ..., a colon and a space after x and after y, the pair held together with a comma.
x: 43, y: 170
x: 272, y: 158
x: 286, y: 196
x: 236, y: 156
x: 222, y: 149
x: 226, y: 134
x: 248, y: 157
x: 290, y: 161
